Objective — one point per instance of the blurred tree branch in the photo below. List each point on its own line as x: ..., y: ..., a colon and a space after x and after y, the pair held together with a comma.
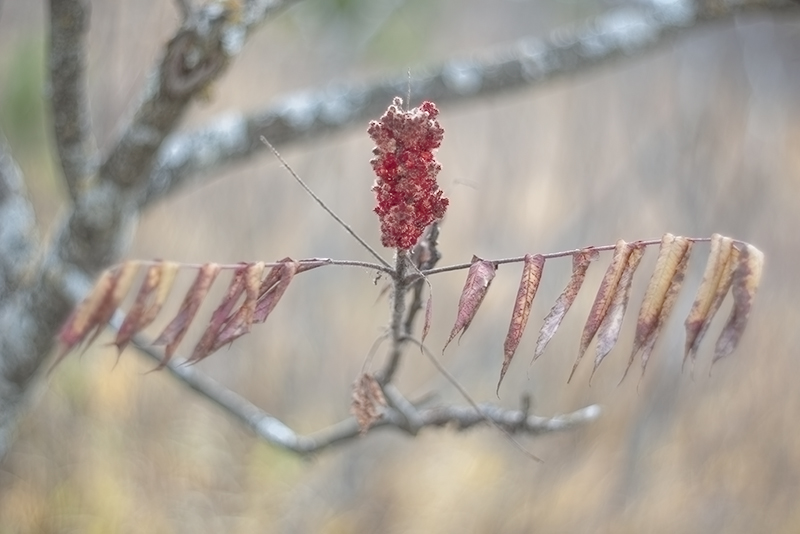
x: 72, y: 128
x: 198, y: 155
x: 97, y: 229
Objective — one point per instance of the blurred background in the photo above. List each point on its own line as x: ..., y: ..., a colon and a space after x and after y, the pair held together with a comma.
x: 699, y: 136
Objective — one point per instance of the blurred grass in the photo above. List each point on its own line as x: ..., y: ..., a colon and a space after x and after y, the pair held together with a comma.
x: 700, y: 136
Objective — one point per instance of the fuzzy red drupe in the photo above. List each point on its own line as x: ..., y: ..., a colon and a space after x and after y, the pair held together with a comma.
x: 408, y: 197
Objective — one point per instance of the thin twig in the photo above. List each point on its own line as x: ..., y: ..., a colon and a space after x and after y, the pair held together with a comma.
x: 455, y: 383
x: 325, y: 206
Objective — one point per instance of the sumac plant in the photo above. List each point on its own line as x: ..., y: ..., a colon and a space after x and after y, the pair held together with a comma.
x: 410, y: 205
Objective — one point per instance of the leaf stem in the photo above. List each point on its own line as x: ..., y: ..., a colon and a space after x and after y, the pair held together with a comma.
x: 551, y: 255
x: 325, y: 206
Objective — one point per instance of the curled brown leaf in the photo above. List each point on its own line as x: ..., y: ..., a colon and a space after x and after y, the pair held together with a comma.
x: 158, y: 280
x: 273, y: 287
x: 368, y: 401
x: 715, y: 285
x: 746, y: 280
x: 528, y: 284
x: 177, y: 328
x: 479, y: 278
x: 610, y: 327
x: 608, y: 286
x: 223, y: 312
x: 580, y: 263
x: 426, y: 327
x: 240, y: 322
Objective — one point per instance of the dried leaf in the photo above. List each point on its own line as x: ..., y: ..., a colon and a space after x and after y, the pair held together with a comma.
x: 608, y: 334
x: 221, y: 314
x: 710, y: 294
x: 273, y: 288
x: 84, y: 317
x: 427, y: 326
x: 608, y: 286
x: 368, y: 401
x: 479, y: 278
x: 528, y: 284
x: 175, y: 330
x: 746, y: 279
x: 660, y: 296
x: 580, y: 264
x: 239, y: 324
x: 122, y: 279
x: 146, y: 306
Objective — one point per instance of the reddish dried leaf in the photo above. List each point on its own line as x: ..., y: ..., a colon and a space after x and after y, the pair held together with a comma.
x: 668, y: 277
x: 175, y: 330
x: 122, y: 279
x: 580, y: 263
x: 528, y: 284
x: 608, y: 334
x: 221, y: 314
x: 745, y: 284
x: 147, y: 305
x: 479, y: 278
x: 268, y: 298
x: 239, y: 323
x: 710, y: 294
x: 608, y: 286
x: 368, y: 401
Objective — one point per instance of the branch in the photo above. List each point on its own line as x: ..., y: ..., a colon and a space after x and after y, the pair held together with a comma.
x: 69, y: 24
x: 275, y: 432
x: 18, y: 237
x: 622, y: 33
x: 19, y: 244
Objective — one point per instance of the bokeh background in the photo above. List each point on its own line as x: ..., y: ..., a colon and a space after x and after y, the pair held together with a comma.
x: 699, y: 136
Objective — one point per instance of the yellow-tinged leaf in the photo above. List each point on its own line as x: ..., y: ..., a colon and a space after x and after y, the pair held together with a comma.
x: 84, y: 317
x: 528, y: 284
x: 708, y: 300
x: 608, y: 286
x: 746, y: 280
x: 580, y: 264
x: 608, y: 334
x: 479, y: 278
x: 660, y: 297
x: 669, y: 256
x: 122, y: 279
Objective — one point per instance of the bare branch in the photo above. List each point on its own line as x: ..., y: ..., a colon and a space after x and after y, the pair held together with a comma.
x: 532, y: 62
x: 275, y: 432
x: 69, y: 24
